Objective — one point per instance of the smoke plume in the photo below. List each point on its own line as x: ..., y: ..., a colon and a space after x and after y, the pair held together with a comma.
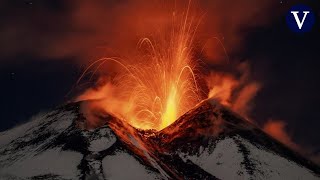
x: 277, y: 129
x: 91, y: 29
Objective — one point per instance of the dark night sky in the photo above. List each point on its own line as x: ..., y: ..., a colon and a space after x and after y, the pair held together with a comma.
x: 287, y: 63
x: 291, y: 87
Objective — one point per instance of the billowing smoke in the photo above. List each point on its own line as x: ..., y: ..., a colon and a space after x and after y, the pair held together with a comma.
x: 236, y: 92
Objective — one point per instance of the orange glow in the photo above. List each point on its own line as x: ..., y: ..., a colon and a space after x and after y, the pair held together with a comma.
x: 156, y: 85
x: 221, y: 87
x: 277, y: 129
x: 236, y: 92
x: 170, y: 113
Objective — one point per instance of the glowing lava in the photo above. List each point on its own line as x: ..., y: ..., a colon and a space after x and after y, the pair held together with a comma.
x: 157, y: 82
x: 170, y: 113
x: 156, y: 85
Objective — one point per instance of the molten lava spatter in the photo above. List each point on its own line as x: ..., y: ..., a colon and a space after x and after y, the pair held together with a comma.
x: 170, y: 113
x: 158, y: 84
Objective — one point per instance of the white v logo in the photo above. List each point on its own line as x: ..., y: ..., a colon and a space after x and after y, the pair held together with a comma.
x: 299, y: 23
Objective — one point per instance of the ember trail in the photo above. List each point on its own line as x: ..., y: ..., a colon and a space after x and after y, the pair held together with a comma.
x: 156, y: 86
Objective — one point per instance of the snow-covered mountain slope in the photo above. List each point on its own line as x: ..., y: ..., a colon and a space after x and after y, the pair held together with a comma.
x: 51, y: 146
x: 228, y: 147
x: 208, y: 142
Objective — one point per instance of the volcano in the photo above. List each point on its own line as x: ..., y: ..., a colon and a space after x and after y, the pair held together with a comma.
x: 208, y: 142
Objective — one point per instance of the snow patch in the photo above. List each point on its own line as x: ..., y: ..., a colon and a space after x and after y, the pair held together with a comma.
x: 64, y: 120
x: 53, y: 161
x: 59, y: 122
x: 124, y: 166
x: 18, y: 131
x: 224, y: 162
x: 100, y: 139
x: 273, y: 166
x: 101, y: 144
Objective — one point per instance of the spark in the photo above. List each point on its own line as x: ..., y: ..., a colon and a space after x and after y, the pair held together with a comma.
x: 158, y: 85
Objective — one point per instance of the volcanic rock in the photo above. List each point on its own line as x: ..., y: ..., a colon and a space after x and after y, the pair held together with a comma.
x: 208, y: 142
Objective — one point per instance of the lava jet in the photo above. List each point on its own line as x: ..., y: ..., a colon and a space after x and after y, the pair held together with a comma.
x: 208, y: 142
x: 155, y: 112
